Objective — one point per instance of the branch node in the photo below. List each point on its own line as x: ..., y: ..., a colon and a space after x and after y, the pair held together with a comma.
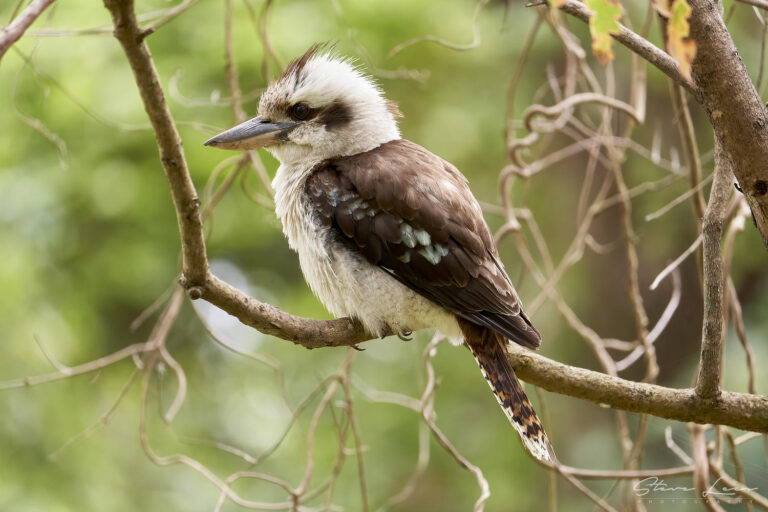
x: 193, y: 206
x: 144, y: 34
x: 195, y: 292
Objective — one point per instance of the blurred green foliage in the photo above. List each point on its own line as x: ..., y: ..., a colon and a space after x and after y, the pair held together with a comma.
x: 88, y: 240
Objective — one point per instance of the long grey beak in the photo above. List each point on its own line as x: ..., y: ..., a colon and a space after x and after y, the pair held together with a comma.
x: 252, y: 134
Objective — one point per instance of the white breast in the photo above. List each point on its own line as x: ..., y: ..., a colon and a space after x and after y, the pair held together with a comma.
x: 343, y: 280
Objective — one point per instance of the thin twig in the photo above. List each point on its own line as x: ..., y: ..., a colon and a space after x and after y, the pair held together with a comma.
x: 691, y: 148
x: 676, y: 263
x: 90, y: 366
x: 355, y: 429
x: 443, y: 42
x: 701, y: 467
x: 427, y: 413
x: 18, y: 26
x: 691, y: 192
x: 657, y: 57
x: 762, y: 4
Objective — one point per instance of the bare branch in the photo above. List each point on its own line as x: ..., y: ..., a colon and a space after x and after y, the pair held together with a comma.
x: 639, y: 45
x: 748, y: 412
x: 427, y: 413
x: 355, y: 431
x: 701, y: 465
x: 271, y: 320
x: 688, y: 137
x: 166, y: 15
x: 763, y: 4
x: 713, y: 226
x: 661, y: 324
x: 195, y: 263
x: 90, y: 366
x: 596, y: 474
x: 16, y: 29
x: 737, y: 114
x: 676, y: 263
x: 442, y: 42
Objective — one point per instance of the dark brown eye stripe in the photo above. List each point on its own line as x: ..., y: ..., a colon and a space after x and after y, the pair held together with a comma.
x: 335, y: 115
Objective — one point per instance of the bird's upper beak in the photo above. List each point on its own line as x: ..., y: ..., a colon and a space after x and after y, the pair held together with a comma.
x: 252, y: 134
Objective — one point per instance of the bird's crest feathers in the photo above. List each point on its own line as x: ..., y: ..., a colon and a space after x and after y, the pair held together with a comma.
x: 350, y: 114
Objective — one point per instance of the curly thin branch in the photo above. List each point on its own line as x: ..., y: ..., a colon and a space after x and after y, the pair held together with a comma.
x: 443, y: 42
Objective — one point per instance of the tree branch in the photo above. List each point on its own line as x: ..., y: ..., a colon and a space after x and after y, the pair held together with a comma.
x: 722, y: 85
x: 713, y: 332
x: 196, y: 277
x: 131, y: 37
x: 742, y: 411
x: 641, y: 46
x: 735, y: 110
x: 748, y: 412
x: 16, y: 29
x: 271, y: 320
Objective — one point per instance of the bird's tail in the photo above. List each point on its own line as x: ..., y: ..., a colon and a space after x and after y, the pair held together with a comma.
x: 489, y: 350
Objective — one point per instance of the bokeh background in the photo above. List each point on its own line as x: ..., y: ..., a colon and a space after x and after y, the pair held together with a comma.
x: 88, y: 240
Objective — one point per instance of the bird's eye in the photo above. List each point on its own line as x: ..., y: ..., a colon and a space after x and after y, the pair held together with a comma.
x: 300, y: 111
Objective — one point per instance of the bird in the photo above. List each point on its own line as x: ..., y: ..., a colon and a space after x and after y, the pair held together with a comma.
x: 387, y: 232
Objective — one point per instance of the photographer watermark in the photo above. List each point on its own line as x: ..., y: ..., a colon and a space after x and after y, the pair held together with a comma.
x: 657, y: 489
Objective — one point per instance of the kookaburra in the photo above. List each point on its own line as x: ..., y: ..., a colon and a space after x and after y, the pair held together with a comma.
x: 387, y: 232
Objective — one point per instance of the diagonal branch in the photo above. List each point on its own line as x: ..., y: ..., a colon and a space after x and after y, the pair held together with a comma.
x: 638, y: 44
x: 196, y: 277
x: 18, y: 26
x: 131, y: 37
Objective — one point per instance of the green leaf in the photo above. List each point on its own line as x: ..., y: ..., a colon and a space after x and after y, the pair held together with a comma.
x: 603, y: 23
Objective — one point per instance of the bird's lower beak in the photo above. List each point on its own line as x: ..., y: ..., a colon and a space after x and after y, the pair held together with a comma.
x: 252, y: 134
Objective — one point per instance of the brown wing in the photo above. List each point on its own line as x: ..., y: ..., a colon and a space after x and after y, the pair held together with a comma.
x: 411, y: 213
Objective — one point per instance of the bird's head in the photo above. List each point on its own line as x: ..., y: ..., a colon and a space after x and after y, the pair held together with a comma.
x: 320, y: 107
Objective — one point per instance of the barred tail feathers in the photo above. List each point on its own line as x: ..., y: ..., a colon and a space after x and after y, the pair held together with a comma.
x: 488, y: 347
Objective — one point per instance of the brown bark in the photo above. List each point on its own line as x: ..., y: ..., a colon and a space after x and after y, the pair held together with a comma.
x: 194, y: 260
x: 722, y: 85
x: 749, y: 412
x: 735, y: 110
